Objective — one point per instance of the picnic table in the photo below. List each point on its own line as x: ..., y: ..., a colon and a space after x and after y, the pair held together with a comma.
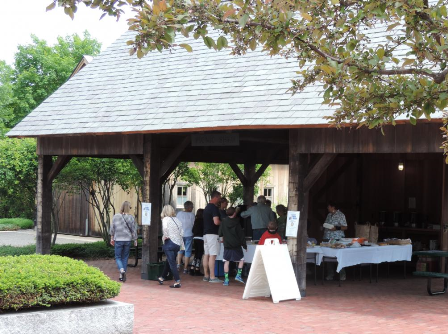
x: 442, y: 255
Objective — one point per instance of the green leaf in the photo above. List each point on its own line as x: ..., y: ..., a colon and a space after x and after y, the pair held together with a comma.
x: 306, y: 16
x: 335, y: 2
x: 140, y: 54
x: 351, y: 45
x: 222, y: 42
x: 243, y: 20
x: 408, y: 62
x: 186, y: 47
x: 209, y: 42
x: 253, y: 44
x: 51, y: 6
x: 380, y: 53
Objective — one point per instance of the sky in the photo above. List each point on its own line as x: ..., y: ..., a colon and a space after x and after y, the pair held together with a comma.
x: 20, y: 19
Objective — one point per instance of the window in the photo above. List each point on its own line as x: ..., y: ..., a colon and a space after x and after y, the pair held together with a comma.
x: 269, y: 194
x: 181, y: 196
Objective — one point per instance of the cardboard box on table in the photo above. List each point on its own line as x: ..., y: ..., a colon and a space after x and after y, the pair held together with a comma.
x: 272, y: 274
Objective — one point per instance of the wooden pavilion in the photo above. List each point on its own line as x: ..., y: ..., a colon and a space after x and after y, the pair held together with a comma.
x: 207, y: 106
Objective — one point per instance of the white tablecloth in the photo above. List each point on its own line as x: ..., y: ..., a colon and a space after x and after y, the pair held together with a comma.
x: 352, y: 256
x: 249, y: 255
x: 318, y: 252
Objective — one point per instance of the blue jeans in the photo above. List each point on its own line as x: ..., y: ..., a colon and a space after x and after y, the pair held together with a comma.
x: 171, y: 249
x: 188, y: 242
x: 122, y: 254
x: 257, y: 233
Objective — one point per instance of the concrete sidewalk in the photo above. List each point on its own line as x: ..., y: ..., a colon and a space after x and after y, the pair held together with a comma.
x: 28, y: 237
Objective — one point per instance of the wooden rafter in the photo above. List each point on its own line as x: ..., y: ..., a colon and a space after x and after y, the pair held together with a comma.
x: 58, y: 165
x: 238, y: 173
x: 259, y: 172
x: 317, y: 170
x: 173, y: 157
x: 138, y: 163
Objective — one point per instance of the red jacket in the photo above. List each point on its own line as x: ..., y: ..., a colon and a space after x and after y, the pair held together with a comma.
x: 267, y: 235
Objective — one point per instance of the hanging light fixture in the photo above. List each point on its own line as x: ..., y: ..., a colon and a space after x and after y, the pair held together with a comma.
x: 400, y: 166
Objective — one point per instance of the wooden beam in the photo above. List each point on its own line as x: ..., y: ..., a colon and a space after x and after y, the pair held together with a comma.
x: 238, y: 173
x: 44, y: 203
x: 334, y: 178
x: 298, y: 201
x: 444, y: 222
x: 170, y: 170
x: 173, y: 157
x: 138, y: 163
x: 264, y: 139
x: 58, y: 165
x: 320, y: 167
x: 249, y: 189
x: 258, y: 173
x: 91, y: 145
x: 151, y: 194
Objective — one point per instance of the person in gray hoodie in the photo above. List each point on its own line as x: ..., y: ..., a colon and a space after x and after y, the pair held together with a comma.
x: 234, y: 242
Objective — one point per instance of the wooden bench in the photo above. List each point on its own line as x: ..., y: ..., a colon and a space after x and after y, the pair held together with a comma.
x: 430, y: 275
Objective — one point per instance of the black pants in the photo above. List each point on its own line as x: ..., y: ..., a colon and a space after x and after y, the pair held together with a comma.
x: 198, y: 249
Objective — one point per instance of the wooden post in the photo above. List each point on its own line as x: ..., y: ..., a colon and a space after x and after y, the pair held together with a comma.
x: 444, y: 222
x: 249, y: 187
x: 44, y: 202
x: 151, y: 194
x: 298, y: 201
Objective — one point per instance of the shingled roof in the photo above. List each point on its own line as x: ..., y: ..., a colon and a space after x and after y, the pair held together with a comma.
x: 174, y: 92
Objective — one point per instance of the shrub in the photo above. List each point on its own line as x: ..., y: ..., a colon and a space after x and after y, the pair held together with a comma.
x: 44, y: 280
x: 94, y: 250
x: 9, y: 227
x: 21, y: 223
x: 15, y: 251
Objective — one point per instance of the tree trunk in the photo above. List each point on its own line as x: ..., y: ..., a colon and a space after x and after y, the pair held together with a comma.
x: 44, y: 204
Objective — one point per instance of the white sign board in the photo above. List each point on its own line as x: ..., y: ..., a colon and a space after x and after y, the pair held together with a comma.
x: 271, y: 273
x: 146, y: 213
x: 292, y: 223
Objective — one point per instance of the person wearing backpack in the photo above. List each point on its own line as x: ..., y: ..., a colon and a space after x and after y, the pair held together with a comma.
x: 122, y: 232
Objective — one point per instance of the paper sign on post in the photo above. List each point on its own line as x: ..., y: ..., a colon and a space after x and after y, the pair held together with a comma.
x: 292, y: 223
x: 146, y: 214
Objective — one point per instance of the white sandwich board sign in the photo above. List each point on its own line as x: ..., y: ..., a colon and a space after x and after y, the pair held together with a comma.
x: 271, y: 273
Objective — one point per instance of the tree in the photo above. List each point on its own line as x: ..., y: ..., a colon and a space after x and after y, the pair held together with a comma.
x: 376, y: 59
x: 18, y: 177
x: 40, y: 69
x: 216, y: 176
x: 6, y: 96
x: 178, y: 174
x: 96, y: 178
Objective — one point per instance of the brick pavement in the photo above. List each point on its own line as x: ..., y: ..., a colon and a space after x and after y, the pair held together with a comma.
x: 394, y: 305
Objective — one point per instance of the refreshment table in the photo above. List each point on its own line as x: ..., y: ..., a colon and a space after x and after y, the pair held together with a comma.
x: 352, y: 256
x: 249, y: 255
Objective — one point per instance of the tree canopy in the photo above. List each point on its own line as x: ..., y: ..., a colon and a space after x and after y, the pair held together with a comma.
x: 377, y: 60
x: 39, y: 69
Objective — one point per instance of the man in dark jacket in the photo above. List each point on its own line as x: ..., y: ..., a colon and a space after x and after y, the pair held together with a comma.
x: 234, y: 240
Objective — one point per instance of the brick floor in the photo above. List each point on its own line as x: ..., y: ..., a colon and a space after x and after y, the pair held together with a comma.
x: 394, y: 305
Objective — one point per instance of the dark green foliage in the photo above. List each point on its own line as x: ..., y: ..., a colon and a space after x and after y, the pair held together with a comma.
x: 87, y: 251
x: 44, y: 280
x: 16, y: 223
x: 15, y: 251
x: 94, y: 250
x: 18, y: 177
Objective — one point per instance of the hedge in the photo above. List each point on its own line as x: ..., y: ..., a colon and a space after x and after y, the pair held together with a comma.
x: 28, y: 281
x: 94, y: 250
x: 13, y: 224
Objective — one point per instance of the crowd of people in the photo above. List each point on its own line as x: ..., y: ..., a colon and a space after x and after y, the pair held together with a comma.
x: 211, y: 226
